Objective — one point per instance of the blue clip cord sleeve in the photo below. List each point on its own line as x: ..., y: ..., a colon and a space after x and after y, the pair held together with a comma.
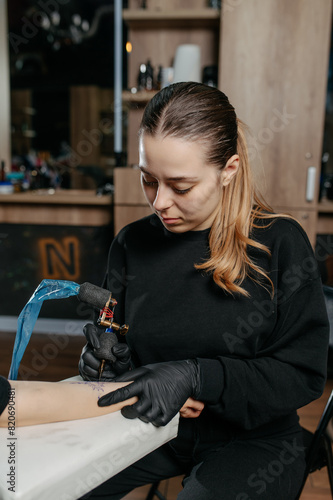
x: 47, y: 289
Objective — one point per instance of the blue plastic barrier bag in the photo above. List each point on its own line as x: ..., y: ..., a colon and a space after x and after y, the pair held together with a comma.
x: 48, y: 289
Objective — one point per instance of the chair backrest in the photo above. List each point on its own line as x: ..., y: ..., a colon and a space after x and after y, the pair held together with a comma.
x: 321, y: 429
x: 328, y: 294
x: 323, y: 432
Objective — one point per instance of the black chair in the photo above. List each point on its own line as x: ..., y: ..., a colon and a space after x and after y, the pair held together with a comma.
x: 319, y: 447
x: 319, y: 444
x: 155, y: 492
x: 328, y: 294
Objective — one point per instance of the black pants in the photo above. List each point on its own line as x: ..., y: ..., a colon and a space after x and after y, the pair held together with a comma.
x: 266, y: 468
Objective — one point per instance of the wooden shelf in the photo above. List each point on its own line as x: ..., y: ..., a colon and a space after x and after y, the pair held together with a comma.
x: 57, y: 197
x: 143, y: 19
x: 325, y: 207
x: 139, y: 97
x: 64, y: 207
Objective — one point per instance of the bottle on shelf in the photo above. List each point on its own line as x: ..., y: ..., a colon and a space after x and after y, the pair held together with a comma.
x: 2, y: 171
x: 146, y: 76
x: 150, y: 76
x: 142, y: 77
x: 210, y: 75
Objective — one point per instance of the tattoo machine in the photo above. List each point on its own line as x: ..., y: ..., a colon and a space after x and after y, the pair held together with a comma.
x: 101, y: 299
x: 61, y: 289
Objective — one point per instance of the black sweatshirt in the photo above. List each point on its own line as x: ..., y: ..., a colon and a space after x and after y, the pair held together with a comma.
x: 260, y: 359
x: 4, y: 393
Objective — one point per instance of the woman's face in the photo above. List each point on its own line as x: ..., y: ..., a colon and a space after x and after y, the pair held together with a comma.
x: 180, y: 187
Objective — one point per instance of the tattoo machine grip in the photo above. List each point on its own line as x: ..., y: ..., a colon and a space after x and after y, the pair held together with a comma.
x: 107, y: 341
x: 93, y: 295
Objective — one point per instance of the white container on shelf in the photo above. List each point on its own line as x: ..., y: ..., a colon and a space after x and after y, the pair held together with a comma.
x: 187, y: 63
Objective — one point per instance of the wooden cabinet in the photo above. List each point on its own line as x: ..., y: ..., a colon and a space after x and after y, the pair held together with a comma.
x: 275, y: 74
x: 60, y: 236
x: 273, y: 66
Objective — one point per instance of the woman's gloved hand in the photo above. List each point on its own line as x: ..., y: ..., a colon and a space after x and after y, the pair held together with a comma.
x: 162, y: 389
x: 89, y: 364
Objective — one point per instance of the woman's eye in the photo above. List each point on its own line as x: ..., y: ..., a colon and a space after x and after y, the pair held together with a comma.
x: 154, y: 183
x: 149, y: 183
x: 182, y: 191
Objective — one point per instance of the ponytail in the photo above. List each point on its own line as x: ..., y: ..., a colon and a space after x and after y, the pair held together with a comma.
x: 230, y: 235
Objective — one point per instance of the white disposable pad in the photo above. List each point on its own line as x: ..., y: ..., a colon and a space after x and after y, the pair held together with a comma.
x: 65, y: 460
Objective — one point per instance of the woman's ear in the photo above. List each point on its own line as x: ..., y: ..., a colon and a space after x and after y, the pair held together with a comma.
x: 230, y: 170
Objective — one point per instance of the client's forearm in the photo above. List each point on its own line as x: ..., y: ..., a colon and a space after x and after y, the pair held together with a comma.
x: 43, y: 402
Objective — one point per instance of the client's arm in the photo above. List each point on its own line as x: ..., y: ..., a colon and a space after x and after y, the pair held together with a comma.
x: 33, y: 402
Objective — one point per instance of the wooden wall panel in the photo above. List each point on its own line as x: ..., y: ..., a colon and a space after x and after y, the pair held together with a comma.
x: 129, y: 201
x: 273, y: 67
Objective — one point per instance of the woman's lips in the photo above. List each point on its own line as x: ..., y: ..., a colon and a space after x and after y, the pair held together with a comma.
x: 169, y: 220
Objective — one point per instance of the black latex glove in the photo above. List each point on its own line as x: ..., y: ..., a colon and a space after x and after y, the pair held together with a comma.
x: 162, y: 389
x: 89, y: 364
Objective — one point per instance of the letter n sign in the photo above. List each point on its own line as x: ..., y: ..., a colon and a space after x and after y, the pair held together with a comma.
x: 60, y: 259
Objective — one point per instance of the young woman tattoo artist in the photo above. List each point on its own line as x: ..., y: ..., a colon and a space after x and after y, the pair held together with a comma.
x: 225, y: 305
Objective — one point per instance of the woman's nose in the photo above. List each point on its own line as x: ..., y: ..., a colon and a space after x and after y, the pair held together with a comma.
x: 162, y: 199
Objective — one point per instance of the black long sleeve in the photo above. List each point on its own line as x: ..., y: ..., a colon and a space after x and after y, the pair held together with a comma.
x: 261, y: 358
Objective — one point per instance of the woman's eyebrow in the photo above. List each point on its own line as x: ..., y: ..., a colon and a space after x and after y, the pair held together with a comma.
x: 180, y: 178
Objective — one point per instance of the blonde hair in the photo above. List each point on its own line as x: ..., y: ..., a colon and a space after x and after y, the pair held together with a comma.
x: 229, y: 237
x: 193, y: 111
